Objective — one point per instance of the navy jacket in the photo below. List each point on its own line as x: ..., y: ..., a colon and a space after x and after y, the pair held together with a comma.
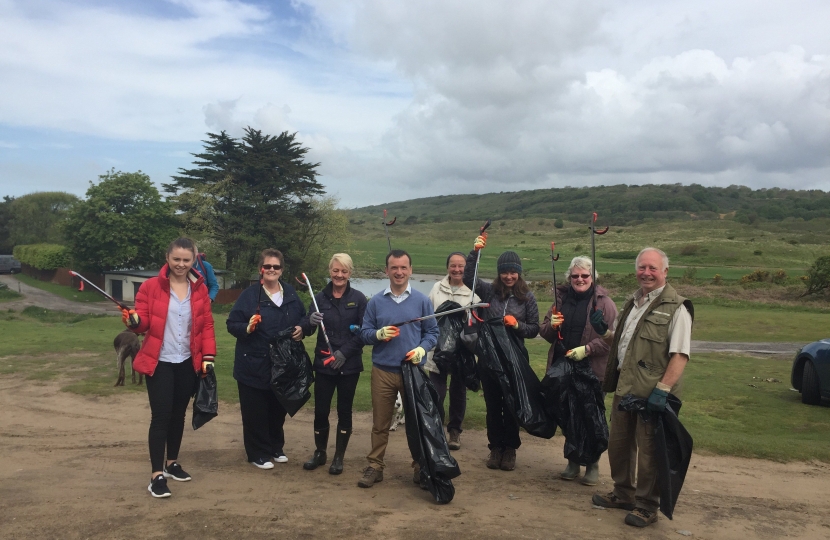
x: 252, y: 362
x: 338, y: 319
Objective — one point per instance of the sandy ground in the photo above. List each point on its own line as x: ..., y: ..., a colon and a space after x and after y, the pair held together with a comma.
x: 77, y: 467
x: 32, y: 296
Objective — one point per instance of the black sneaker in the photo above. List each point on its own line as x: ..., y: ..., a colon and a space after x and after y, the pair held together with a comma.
x: 175, y: 471
x: 158, y: 487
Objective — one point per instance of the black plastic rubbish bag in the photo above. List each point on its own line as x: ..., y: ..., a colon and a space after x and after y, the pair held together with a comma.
x: 573, y: 396
x: 206, y: 402
x: 291, y: 373
x: 425, y: 434
x: 501, y: 353
x: 672, y: 447
x: 451, y: 356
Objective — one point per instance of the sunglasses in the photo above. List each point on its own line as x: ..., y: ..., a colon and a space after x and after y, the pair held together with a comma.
x: 583, y: 276
x: 270, y: 266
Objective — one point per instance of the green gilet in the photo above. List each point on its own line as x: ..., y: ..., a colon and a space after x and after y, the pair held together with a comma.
x: 647, y: 356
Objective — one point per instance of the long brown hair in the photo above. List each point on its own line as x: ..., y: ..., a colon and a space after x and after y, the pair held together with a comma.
x: 520, y: 290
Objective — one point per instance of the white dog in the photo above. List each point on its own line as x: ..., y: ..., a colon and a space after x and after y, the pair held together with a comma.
x: 399, y: 416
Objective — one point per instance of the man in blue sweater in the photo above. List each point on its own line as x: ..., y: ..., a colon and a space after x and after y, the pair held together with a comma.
x: 393, y: 345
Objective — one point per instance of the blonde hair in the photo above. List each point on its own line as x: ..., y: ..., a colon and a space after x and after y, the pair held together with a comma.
x: 580, y: 262
x: 343, y: 259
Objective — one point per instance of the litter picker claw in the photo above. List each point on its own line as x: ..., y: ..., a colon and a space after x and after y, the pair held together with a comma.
x: 594, y: 232
x: 386, y: 225
x: 482, y: 230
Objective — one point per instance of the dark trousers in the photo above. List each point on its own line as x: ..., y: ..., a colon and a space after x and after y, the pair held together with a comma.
x: 262, y: 420
x: 458, y: 398
x: 169, y: 389
x: 324, y: 387
x: 502, y: 428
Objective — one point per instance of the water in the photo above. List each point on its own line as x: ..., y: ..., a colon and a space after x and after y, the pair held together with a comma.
x: 370, y: 287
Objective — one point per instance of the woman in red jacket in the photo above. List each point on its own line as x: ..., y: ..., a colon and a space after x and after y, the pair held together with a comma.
x: 173, y: 310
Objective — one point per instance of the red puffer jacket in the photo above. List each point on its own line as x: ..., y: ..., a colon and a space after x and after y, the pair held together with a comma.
x: 151, y: 304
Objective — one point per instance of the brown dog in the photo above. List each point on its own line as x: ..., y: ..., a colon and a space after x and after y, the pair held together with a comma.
x: 126, y: 345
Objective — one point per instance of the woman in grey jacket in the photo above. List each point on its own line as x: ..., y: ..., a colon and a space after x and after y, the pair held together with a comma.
x: 511, y: 300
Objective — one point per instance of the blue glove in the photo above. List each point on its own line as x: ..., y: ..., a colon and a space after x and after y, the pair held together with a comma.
x: 657, y: 400
x: 598, y: 322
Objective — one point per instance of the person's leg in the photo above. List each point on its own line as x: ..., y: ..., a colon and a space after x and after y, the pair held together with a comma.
x: 184, y: 384
x: 160, y: 393
x: 494, y: 417
x: 253, y: 406
x: 439, y: 381
x: 346, y: 389
x: 276, y: 421
x: 622, y: 451
x: 647, y: 493
x: 458, y: 403
x: 324, y: 387
x: 385, y: 387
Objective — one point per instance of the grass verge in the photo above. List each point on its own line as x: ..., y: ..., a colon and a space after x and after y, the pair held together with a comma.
x: 61, y: 290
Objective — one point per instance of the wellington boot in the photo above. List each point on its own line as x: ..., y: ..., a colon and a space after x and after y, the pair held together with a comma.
x: 591, y: 475
x: 321, y: 441
x: 571, y: 471
x: 341, y: 442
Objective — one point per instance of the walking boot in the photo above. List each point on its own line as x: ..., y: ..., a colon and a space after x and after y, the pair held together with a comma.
x: 571, y: 471
x: 454, y: 442
x: 341, y: 442
x: 494, y: 460
x: 321, y: 441
x: 591, y: 475
x: 508, y: 459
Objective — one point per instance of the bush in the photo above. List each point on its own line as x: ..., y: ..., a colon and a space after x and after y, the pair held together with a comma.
x: 758, y: 252
x: 689, y: 275
x: 559, y: 223
x: 624, y: 255
x: 757, y: 276
x: 43, y: 256
x: 779, y: 277
x: 818, y: 276
x: 717, y: 279
x: 690, y: 249
x: 521, y: 231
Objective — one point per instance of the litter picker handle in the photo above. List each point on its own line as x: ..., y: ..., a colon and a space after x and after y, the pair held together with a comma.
x: 330, y: 359
x: 485, y: 226
x: 97, y: 288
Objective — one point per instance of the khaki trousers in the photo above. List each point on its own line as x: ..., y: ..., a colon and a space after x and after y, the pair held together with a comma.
x: 630, y: 448
x: 385, y: 388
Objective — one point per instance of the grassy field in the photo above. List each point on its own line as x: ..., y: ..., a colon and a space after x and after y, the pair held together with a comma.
x: 729, y: 408
x: 7, y: 294
x: 68, y: 293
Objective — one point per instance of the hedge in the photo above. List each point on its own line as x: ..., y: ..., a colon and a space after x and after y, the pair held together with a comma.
x: 43, y: 256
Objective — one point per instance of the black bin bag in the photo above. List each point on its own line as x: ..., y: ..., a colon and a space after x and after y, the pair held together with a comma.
x: 425, y: 434
x: 206, y: 402
x: 503, y: 356
x: 291, y: 373
x: 573, y: 396
x: 451, y: 356
x: 672, y: 447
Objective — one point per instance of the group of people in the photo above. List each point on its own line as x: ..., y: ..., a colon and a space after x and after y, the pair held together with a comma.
x: 642, y: 351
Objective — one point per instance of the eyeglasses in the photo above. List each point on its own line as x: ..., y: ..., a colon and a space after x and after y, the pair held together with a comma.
x: 583, y: 276
x: 270, y: 266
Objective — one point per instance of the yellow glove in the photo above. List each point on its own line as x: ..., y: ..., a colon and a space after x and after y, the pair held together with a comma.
x: 556, y: 319
x: 416, y: 355
x: 207, y: 364
x: 387, y: 332
x: 480, y: 242
x: 253, y: 322
x: 577, y: 354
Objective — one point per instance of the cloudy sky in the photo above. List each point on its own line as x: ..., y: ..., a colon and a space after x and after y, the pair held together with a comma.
x: 400, y: 99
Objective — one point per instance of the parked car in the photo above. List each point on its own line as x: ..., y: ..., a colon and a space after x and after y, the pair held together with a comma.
x: 811, y: 372
x: 9, y: 265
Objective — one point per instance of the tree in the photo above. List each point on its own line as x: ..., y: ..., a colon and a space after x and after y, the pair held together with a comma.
x: 37, y: 218
x: 123, y: 223
x: 818, y: 276
x: 6, y: 244
x: 251, y: 194
x: 558, y: 223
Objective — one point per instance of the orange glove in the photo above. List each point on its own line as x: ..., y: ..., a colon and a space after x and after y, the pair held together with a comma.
x: 480, y: 242
x: 255, y: 320
x: 130, y: 318
x: 510, y: 320
x: 387, y: 333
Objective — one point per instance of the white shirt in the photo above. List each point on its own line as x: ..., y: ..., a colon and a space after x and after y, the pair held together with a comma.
x: 175, y: 346
x: 403, y: 296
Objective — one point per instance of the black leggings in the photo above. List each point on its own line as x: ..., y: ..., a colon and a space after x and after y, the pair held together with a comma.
x: 324, y: 387
x: 263, y: 419
x: 169, y: 389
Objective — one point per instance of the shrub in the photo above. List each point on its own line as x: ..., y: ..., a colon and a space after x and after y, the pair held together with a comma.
x: 779, y: 277
x: 624, y: 255
x: 757, y: 276
x: 559, y: 223
x: 689, y: 249
x: 43, y: 256
x: 521, y: 231
x: 818, y: 276
x: 793, y: 242
x: 758, y: 252
x: 689, y: 274
x: 717, y: 279
x: 541, y: 222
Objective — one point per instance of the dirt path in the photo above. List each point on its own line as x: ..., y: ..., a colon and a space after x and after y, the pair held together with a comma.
x: 77, y: 467
x: 32, y: 296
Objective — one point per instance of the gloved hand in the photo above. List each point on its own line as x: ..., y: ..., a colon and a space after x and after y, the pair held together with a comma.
x: 556, y: 319
x: 316, y: 318
x: 130, y: 318
x: 480, y: 242
x: 339, y: 360
x: 657, y: 400
x: 416, y: 355
x: 207, y: 364
x: 510, y: 320
x: 577, y: 354
x: 387, y: 332
x: 599, y: 323
x: 253, y: 322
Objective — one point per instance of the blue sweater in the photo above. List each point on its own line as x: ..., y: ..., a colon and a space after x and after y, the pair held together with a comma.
x: 382, y: 311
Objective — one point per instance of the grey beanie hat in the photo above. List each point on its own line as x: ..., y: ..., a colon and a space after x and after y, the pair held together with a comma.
x: 509, y: 261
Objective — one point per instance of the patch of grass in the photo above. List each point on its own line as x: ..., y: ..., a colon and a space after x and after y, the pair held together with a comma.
x: 56, y: 316
x: 758, y: 323
x: 64, y: 292
x: 7, y: 294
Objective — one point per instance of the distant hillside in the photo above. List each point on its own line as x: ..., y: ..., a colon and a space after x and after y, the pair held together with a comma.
x: 616, y: 205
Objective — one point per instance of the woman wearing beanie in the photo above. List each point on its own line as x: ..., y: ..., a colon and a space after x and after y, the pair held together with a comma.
x: 579, y: 339
x: 510, y: 299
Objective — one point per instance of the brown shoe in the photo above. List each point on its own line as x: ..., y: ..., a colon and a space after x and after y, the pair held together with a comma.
x: 640, y: 517
x: 508, y: 459
x: 455, y: 440
x: 494, y: 461
x: 416, y: 474
x: 370, y: 477
x: 611, y: 501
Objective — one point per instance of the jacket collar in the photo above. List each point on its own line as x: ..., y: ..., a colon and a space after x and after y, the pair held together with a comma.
x: 193, y: 276
x: 328, y: 290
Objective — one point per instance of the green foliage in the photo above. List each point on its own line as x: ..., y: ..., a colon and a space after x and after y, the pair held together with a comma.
x: 43, y: 256
x: 53, y: 316
x: 70, y: 293
x: 689, y: 249
x: 6, y: 244
x: 757, y: 276
x: 38, y: 218
x: 123, y: 223
x: 717, y: 280
x: 689, y: 275
x: 558, y: 223
x: 818, y: 276
x: 623, y: 255
x: 7, y: 294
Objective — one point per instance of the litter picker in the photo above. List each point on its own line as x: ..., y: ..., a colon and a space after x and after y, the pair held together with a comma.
x: 553, y: 259
x: 118, y: 303
x: 470, y: 324
x: 594, y: 232
x: 442, y: 313
x: 330, y: 359
x: 386, y: 225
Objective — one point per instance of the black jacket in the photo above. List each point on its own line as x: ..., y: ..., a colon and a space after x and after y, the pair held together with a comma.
x: 338, y: 318
x: 252, y: 362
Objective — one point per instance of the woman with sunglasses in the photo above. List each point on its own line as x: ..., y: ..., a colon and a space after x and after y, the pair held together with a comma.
x: 259, y: 314
x: 579, y: 342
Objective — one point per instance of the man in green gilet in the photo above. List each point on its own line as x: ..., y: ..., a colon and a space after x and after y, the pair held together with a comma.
x: 649, y: 352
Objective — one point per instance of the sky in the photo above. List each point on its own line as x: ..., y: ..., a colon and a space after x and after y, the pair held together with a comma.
x: 401, y: 99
